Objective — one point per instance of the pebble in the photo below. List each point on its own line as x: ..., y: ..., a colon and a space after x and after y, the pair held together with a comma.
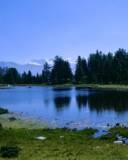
x: 41, y: 138
x: 118, y: 142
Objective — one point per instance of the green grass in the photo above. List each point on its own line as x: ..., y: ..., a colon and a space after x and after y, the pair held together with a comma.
x: 62, y: 144
x: 19, y: 122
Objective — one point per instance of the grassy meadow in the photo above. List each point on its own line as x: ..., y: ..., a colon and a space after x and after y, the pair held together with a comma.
x: 60, y: 144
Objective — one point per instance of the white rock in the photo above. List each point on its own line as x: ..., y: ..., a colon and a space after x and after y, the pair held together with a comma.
x: 41, y: 138
x: 118, y: 142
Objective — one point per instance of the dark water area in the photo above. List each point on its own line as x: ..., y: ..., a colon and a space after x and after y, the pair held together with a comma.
x: 73, y: 108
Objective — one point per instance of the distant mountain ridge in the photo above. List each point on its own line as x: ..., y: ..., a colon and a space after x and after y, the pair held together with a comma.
x: 35, y: 66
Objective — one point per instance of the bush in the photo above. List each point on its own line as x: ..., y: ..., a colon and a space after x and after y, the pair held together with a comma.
x: 1, y: 126
x: 3, y: 111
x: 12, y: 119
x: 9, y: 152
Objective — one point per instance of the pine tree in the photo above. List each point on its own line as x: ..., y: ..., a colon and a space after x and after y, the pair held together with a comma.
x: 81, y: 72
x: 61, y: 71
x: 12, y: 76
x: 46, y: 73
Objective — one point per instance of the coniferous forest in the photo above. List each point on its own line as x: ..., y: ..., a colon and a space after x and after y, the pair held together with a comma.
x: 110, y: 68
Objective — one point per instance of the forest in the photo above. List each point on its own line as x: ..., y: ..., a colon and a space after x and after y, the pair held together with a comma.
x: 99, y: 68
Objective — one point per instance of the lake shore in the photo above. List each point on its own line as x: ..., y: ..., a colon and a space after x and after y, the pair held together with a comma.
x: 59, y: 143
x: 13, y: 120
x: 118, y: 87
x: 64, y: 144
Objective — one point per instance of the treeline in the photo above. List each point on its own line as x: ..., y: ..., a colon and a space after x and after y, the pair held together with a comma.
x: 111, y: 68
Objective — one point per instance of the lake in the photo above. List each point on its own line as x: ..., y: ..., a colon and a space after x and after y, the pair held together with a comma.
x: 73, y: 108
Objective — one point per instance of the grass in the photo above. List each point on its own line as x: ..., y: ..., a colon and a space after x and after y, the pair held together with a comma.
x: 123, y: 131
x: 112, y: 87
x: 12, y: 120
x: 62, y: 144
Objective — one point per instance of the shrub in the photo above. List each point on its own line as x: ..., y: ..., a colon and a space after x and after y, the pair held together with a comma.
x: 12, y: 119
x: 9, y: 152
x: 1, y: 126
x: 3, y: 111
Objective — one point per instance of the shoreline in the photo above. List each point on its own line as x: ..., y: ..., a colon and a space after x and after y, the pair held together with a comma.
x: 37, y: 141
x: 53, y: 144
x: 17, y: 121
x: 116, y: 87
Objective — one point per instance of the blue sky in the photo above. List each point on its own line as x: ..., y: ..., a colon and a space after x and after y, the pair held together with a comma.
x: 41, y: 29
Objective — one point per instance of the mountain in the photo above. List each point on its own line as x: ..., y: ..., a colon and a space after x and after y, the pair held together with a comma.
x: 35, y: 66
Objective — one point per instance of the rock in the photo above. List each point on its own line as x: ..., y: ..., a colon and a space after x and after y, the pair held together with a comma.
x: 126, y: 141
x: 108, y: 124
x: 119, y: 138
x: 12, y: 119
x: 118, y: 142
x: 41, y: 138
x: 61, y: 136
x: 117, y: 124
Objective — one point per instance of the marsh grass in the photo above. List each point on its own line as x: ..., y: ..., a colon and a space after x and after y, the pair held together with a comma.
x: 75, y: 145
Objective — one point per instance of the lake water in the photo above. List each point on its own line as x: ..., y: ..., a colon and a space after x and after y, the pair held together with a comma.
x: 74, y: 108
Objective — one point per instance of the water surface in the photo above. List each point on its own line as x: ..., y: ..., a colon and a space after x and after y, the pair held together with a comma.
x: 68, y: 108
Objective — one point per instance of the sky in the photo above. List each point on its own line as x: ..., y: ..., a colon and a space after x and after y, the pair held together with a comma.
x: 42, y: 29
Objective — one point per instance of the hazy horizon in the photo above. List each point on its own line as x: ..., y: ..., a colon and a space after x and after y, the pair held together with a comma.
x: 40, y: 29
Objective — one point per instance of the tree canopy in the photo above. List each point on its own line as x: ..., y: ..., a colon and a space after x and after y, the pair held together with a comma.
x: 98, y: 68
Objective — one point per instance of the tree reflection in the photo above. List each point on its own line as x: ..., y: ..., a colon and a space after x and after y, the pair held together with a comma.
x: 61, y: 102
x: 98, y: 101
x: 81, y: 101
x: 108, y: 100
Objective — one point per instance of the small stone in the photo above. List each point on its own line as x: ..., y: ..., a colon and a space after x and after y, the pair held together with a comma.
x: 118, y: 142
x: 108, y: 124
x: 117, y: 124
x: 126, y: 141
x: 41, y: 138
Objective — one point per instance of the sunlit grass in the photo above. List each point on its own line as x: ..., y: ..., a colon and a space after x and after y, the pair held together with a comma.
x: 61, y: 144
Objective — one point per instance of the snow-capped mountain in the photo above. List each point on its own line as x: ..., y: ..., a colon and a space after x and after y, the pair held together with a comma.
x: 35, y: 66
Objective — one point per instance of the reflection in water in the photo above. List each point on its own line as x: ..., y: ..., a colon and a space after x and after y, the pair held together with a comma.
x: 81, y: 101
x: 78, y: 108
x: 108, y: 100
x: 61, y: 88
x: 99, y: 101
x: 61, y: 102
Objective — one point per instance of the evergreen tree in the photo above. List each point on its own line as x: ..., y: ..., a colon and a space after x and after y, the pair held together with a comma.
x: 81, y: 70
x: 100, y: 68
x: 29, y: 78
x: 108, y: 68
x: 12, y: 76
x: 38, y: 79
x: 61, y: 71
x: 46, y: 73
x: 24, y: 78
x: 121, y: 66
x: 1, y: 75
x: 95, y: 67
